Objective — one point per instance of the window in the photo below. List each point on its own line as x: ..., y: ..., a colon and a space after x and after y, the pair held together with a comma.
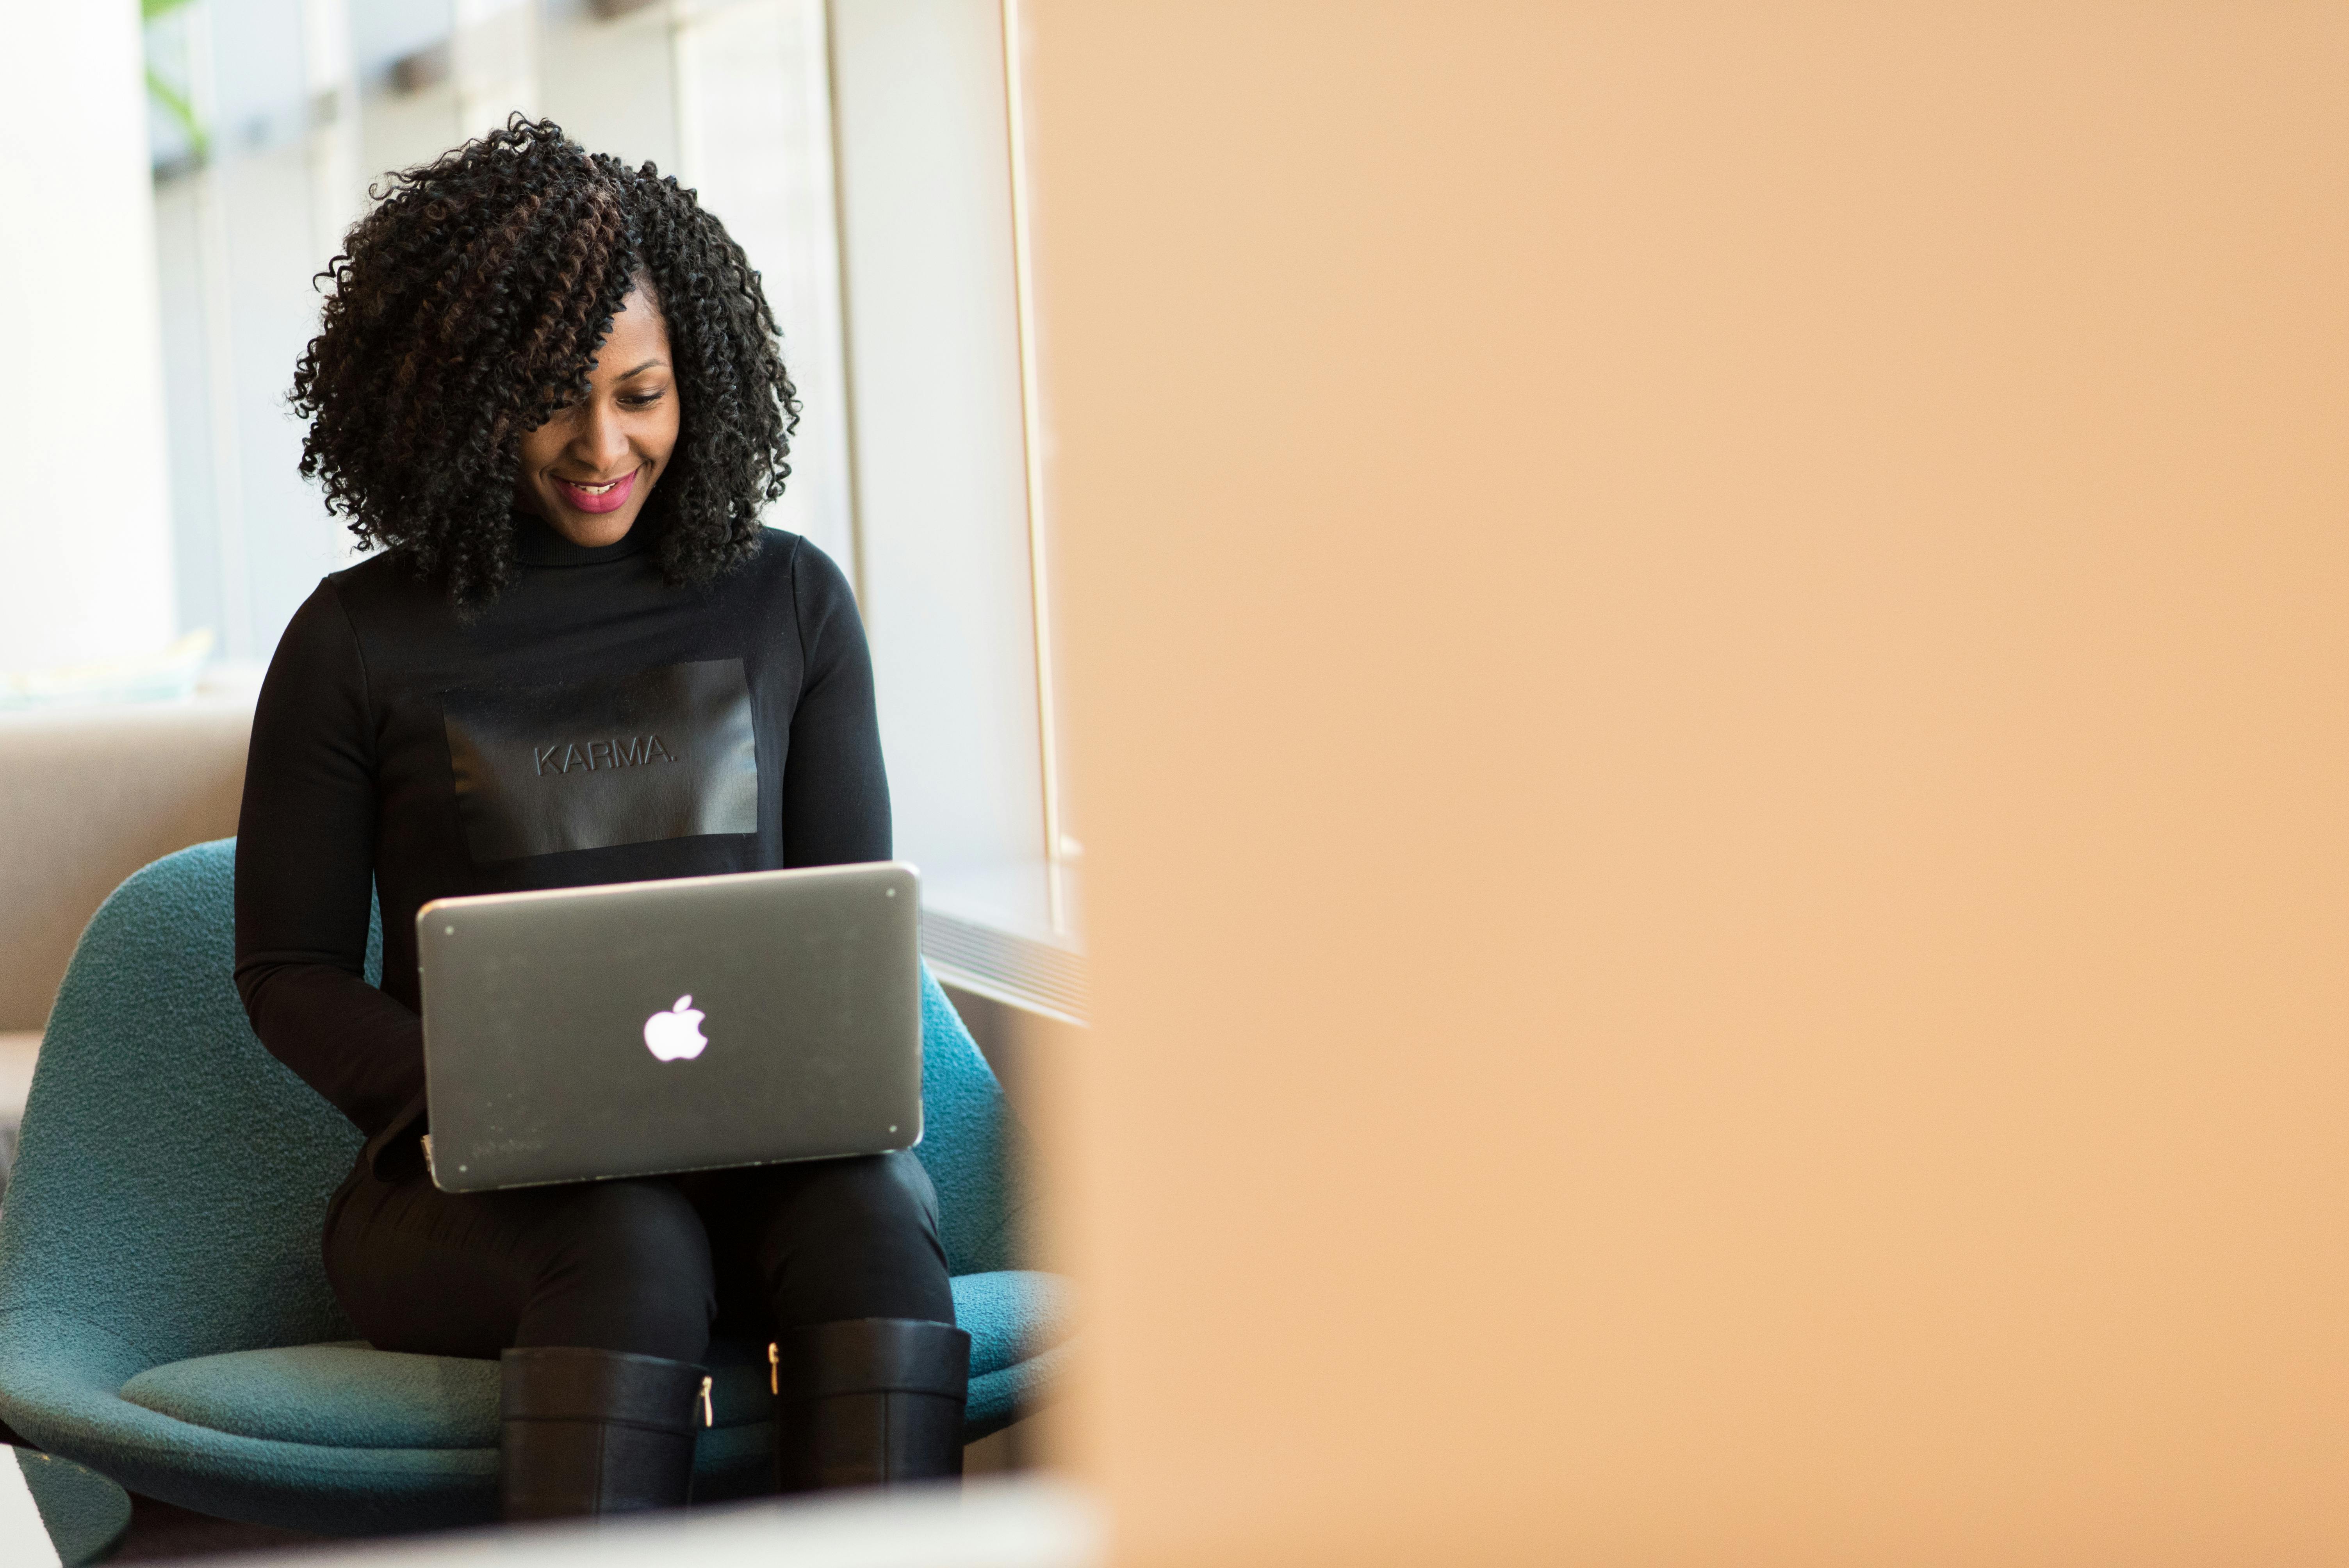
x: 863, y: 154
x: 949, y: 532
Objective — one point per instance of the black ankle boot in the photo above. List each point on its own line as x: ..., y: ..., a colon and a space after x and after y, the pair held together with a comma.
x: 868, y: 1402
x: 594, y: 1431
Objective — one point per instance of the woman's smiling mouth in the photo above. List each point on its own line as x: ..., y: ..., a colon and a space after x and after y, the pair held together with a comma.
x: 609, y: 496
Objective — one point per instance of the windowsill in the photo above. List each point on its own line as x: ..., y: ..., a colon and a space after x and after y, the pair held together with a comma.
x: 990, y: 929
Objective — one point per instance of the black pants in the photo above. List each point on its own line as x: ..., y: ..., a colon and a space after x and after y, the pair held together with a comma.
x: 647, y: 1266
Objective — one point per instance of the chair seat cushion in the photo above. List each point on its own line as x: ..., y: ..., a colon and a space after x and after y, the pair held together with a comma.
x: 1011, y: 1315
x: 342, y: 1396
x: 349, y: 1396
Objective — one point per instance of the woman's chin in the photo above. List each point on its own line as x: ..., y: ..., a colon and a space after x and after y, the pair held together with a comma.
x: 590, y: 529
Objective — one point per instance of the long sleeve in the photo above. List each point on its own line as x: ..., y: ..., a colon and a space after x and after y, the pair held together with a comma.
x: 835, y: 789
x: 305, y: 873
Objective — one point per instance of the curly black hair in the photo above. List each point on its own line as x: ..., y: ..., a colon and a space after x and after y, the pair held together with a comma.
x: 466, y: 309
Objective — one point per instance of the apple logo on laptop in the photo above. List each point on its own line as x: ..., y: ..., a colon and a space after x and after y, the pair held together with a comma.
x: 676, y: 1034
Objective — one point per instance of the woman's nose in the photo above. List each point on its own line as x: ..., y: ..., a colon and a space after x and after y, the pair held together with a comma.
x: 603, y: 443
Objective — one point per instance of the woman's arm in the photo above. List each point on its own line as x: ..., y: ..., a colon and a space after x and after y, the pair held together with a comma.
x: 305, y: 874
x: 835, y: 791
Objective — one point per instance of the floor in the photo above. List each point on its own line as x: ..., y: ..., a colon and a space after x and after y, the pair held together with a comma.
x: 164, y: 1533
x: 997, y: 1522
x: 160, y: 1532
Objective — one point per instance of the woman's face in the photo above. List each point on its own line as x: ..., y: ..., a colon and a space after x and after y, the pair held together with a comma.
x: 588, y: 470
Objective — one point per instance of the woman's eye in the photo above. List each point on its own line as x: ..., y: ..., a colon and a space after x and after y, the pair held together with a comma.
x: 641, y: 399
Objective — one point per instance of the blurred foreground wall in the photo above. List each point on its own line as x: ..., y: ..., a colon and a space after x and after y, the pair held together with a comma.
x: 84, y: 521
x: 1712, y: 651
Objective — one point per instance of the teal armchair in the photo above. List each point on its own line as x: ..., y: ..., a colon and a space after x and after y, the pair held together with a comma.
x: 164, y: 1314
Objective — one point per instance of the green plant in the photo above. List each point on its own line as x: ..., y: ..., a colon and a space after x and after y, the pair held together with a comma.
x: 175, y: 102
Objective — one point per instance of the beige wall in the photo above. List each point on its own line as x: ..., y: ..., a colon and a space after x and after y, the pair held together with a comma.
x: 1711, y: 647
x: 87, y: 797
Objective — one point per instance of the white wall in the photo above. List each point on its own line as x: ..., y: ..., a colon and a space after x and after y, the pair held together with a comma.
x: 85, y: 523
x: 754, y: 130
x: 609, y: 84
x: 942, y: 498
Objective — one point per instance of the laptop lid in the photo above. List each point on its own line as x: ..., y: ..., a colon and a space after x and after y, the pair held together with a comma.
x: 660, y: 1027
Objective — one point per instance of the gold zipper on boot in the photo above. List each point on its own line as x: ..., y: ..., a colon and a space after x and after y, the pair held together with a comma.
x: 774, y: 1367
x: 708, y: 1419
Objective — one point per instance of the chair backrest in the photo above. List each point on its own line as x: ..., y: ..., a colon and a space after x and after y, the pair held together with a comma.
x: 969, y: 1144
x: 173, y: 1176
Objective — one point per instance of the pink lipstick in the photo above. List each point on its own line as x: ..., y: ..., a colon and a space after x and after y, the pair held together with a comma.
x: 609, y: 497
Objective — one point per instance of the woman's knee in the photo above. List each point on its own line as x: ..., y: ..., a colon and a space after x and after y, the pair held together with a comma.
x: 879, y: 1193
x: 853, y: 1238
x: 630, y: 1228
x: 625, y: 1266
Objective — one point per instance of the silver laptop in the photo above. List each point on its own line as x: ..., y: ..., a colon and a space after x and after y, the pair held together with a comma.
x: 660, y: 1027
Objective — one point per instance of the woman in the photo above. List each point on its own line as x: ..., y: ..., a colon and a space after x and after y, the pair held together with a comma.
x: 549, y: 388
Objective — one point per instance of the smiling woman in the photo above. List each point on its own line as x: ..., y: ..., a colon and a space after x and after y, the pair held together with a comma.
x: 551, y: 387
x: 523, y: 327
x: 589, y: 470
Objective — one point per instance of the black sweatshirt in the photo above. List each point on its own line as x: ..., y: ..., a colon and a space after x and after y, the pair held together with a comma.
x: 593, y: 725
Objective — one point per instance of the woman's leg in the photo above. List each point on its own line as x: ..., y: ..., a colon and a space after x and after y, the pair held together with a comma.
x: 596, y: 1297
x: 609, y: 1265
x: 829, y: 1239
x: 870, y: 1372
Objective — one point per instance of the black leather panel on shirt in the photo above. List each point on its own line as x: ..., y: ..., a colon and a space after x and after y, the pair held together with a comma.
x: 665, y: 753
